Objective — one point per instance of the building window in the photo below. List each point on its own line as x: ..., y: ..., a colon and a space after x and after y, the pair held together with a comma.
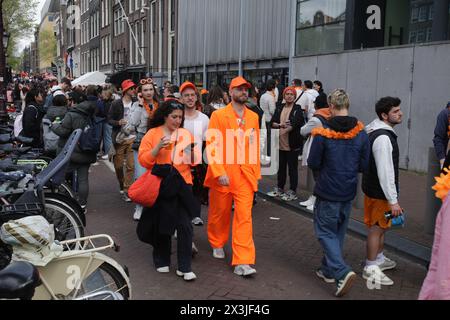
x: 325, y: 21
x: 423, y: 13
x: 421, y: 36
x: 412, y: 37
x: 172, y: 15
x: 414, y: 15
x: 132, y: 45
x: 161, y: 15
x: 118, y: 22
x: 153, y: 16
x: 429, y: 34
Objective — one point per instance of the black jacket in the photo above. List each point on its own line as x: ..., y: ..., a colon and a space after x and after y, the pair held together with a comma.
x: 297, y: 121
x: 76, y: 118
x: 32, y: 124
x: 175, y: 203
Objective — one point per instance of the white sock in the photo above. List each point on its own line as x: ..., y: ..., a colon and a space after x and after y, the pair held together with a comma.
x: 371, y: 263
x: 380, y: 258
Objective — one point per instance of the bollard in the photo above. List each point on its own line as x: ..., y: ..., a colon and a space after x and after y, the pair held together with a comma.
x: 359, y: 200
x: 433, y: 203
x: 310, y: 181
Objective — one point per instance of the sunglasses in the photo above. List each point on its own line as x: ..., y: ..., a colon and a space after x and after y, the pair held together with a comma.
x: 146, y: 81
x: 175, y: 105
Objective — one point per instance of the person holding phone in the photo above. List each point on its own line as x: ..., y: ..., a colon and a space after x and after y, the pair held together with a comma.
x: 289, y: 119
x: 140, y: 115
x: 381, y: 187
x: 163, y: 151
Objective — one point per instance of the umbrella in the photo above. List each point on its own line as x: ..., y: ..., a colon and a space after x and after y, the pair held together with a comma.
x: 91, y: 78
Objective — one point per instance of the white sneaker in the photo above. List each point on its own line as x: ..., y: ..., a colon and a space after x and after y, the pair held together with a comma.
x: 310, y: 208
x: 376, y: 276
x: 277, y: 192
x: 289, y: 196
x: 138, y: 213
x: 311, y: 200
x: 197, y: 221
x: 388, y: 264
x: 122, y: 192
x: 105, y: 157
x: 187, y: 276
x: 267, y: 158
x: 300, y: 158
x: 219, y: 253
x: 244, y: 270
x: 163, y: 270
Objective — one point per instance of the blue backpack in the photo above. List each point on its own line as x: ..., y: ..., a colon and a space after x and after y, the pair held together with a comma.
x: 90, y: 138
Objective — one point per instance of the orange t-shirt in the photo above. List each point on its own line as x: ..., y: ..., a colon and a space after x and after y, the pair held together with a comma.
x: 181, y: 158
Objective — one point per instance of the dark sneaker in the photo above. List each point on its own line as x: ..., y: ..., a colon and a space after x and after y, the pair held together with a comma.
x: 345, y: 284
x: 320, y: 274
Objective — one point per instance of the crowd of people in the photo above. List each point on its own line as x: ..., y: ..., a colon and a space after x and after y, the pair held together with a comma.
x: 168, y: 131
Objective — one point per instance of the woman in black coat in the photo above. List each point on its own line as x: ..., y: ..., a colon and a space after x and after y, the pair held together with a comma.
x: 32, y: 117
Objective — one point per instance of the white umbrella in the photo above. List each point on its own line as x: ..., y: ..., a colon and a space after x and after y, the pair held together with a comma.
x: 92, y: 78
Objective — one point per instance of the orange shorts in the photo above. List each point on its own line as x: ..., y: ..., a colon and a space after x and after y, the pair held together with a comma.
x: 374, y: 210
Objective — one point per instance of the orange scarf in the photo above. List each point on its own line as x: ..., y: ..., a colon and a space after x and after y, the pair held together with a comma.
x: 331, y: 134
x: 150, y: 111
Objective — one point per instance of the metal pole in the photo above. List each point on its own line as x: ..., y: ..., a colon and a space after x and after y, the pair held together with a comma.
x: 241, y: 27
x: 205, y: 74
x: 292, y: 39
x: 433, y: 203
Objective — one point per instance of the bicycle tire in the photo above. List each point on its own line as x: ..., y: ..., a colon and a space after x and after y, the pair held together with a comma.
x: 69, y: 203
x: 119, y: 286
x: 67, y: 224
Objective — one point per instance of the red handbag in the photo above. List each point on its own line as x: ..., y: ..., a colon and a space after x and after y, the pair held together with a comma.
x: 145, y: 190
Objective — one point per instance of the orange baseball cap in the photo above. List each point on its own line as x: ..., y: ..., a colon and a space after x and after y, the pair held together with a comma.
x: 204, y: 91
x: 239, y: 81
x: 187, y: 85
x: 127, y: 85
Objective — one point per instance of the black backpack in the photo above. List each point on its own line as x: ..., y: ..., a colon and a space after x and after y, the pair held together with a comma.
x: 90, y: 138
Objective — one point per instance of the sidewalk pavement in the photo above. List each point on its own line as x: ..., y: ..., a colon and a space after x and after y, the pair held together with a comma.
x: 286, y: 249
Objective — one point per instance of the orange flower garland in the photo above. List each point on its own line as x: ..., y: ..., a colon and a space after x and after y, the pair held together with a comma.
x: 442, y: 187
x: 331, y: 134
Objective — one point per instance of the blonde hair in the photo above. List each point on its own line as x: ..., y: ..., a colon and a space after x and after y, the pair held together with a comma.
x: 340, y: 99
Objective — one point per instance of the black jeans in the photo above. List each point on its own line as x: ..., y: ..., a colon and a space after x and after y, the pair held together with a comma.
x: 163, y: 247
x: 288, y: 160
x: 269, y: 139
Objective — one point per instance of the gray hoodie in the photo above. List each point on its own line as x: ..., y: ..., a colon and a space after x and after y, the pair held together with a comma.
x: 382, y: 153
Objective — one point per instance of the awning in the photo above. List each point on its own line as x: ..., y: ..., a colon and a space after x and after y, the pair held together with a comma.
x: 92, y: 78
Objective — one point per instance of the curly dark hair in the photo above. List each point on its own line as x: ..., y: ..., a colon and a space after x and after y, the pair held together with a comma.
x: 164, y: 110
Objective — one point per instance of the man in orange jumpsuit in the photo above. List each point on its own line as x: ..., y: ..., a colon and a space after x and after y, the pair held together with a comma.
x: 233, y: 174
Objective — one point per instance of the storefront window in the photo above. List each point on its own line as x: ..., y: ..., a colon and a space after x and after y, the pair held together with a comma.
x: 320, y: 26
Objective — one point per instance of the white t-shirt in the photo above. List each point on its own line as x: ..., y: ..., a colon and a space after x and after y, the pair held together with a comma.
x: 127, y: 109
x: 197, y: 127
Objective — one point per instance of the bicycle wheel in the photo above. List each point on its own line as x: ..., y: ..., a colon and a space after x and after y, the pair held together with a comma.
x: 68, y: 203
x: 67, y: 224
x: 105, y: 278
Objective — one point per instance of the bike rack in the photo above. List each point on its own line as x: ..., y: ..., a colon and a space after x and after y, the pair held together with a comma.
x: 86, y: 245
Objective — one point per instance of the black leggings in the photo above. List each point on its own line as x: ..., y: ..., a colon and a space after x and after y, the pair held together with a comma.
x: 288, y: 160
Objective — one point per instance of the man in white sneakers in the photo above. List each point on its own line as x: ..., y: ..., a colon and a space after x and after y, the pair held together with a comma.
x: 381, y: 187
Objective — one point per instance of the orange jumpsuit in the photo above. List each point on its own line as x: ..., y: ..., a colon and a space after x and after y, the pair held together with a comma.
x: 236, y: 155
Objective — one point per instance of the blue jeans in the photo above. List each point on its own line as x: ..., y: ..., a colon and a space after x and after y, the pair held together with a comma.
x: 138, y: 169
x: 107, y: 137
x: 330, y: 225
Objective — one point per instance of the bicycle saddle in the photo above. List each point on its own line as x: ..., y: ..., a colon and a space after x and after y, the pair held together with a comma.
x: 5, y: 138
x: 18, y: 281
x: 24, y: 140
